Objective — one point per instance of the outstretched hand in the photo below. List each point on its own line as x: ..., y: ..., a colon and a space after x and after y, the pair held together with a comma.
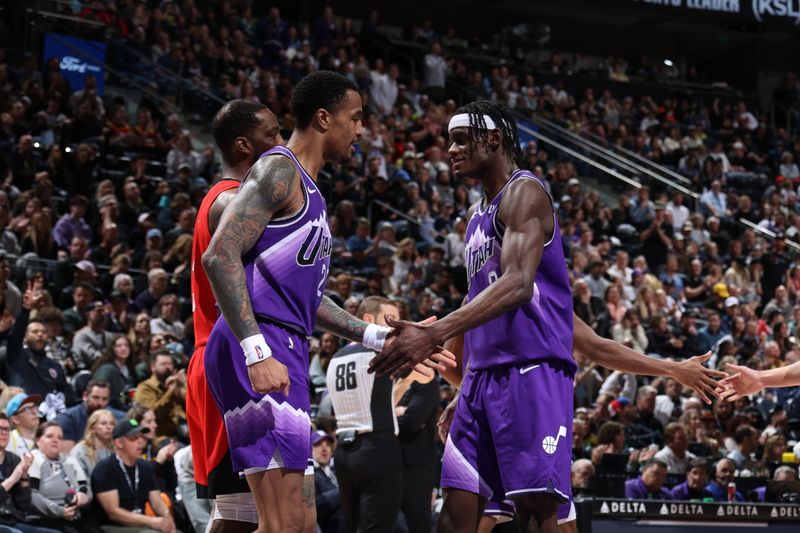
x: 744, y: 382
x: 693, y: 375
x: 411, y: 343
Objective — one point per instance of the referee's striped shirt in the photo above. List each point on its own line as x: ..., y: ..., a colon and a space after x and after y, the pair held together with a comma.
x: 362, y: 402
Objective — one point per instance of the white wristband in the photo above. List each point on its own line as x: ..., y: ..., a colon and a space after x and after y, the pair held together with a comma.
x: 255, y: 349
x: 375, y: 337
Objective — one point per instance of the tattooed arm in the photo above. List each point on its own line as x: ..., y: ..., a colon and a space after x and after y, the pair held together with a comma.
x: 269, y: 189
x: 336, y: 320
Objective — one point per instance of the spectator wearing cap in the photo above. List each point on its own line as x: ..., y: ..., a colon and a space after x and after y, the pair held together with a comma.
x: 23, y: 412
x: 157, y: 283
x: 123, y: 484
x: 153, y: 243
x: 731, y: 313
x: 694, y: 488
x: 92, y: 340
x: 164, y: 392
x: 650, y: 484
x: 60, y: 487
x: 83, y: 272
x: 73, y: 419
x: 330, y: 515
x: 72, y: 224
x: 10, y: 294
x: 28, y: 364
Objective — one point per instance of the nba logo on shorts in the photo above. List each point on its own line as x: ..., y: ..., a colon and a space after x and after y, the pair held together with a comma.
x: 550, y: 443
x: 259, y: 353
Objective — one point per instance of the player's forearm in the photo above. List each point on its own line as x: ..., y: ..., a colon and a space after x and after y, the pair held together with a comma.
x: 787, y: 376
x: 334, y: 319
x: 223, y: 265
x: 454, y: 375
x: 613, y: 355
x: 509, y: 292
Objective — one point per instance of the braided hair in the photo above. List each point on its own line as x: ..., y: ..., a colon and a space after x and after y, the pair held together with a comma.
x: 503, y: 121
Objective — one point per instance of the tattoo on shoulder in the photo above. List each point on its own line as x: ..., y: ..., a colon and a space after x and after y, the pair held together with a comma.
x: 273, y: 178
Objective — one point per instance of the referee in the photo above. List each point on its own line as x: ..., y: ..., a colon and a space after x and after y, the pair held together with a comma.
x: 369, y: 462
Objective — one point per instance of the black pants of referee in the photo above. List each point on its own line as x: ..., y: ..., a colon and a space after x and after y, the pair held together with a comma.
x: 370, y: 475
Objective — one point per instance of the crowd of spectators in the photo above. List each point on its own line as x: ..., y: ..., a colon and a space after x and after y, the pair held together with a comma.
x: 96, y: 219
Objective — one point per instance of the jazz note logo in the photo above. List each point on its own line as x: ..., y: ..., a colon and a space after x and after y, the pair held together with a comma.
x: 550, y: 443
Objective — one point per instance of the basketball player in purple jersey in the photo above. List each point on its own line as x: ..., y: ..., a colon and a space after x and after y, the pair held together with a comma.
x: 515, y: 407
x: 604, y: 352
x: 267, y: 264
x: 511, y: 433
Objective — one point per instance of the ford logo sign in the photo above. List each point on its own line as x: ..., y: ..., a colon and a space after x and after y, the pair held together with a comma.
x: 73, y: 64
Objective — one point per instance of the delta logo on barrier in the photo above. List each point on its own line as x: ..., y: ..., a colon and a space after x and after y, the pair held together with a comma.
x: 78, y: 58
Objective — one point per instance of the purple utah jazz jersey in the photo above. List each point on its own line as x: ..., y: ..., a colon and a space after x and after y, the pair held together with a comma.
x: 539, y: 330
x: 287, y: 268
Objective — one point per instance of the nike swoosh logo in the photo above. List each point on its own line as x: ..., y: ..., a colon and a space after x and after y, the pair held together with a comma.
x: 312, y: 191
x: 528, y: 369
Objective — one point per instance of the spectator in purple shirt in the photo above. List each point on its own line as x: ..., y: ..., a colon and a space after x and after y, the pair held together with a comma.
x: 650, y: 485
x: 694, y: 488
x: 72, y: 224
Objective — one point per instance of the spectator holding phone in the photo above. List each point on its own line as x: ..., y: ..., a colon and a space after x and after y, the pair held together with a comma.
x: 60, y: 488
x: 15, y: 491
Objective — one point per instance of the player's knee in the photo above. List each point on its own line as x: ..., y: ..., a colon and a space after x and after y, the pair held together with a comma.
x: 540, y: 506
x: 451, y: 521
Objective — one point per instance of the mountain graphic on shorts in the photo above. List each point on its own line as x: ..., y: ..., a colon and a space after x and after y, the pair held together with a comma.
x: 250, y: 422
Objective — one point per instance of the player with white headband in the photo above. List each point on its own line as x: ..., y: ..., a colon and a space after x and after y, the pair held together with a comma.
x: 511, y: 433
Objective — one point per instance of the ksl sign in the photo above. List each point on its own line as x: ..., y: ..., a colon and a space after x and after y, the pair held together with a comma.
x: 762, y: 11
x: 77, y: 59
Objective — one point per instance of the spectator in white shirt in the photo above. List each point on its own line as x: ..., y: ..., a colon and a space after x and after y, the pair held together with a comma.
x: 676, y: 453
x: 383, y: 91
x: 669, y: 406
x: 679, y: 212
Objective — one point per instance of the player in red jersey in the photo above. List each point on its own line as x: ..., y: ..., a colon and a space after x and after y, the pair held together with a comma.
x: 243, y: 131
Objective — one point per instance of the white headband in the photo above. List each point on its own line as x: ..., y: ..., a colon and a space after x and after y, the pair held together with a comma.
x: 462, y: 120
